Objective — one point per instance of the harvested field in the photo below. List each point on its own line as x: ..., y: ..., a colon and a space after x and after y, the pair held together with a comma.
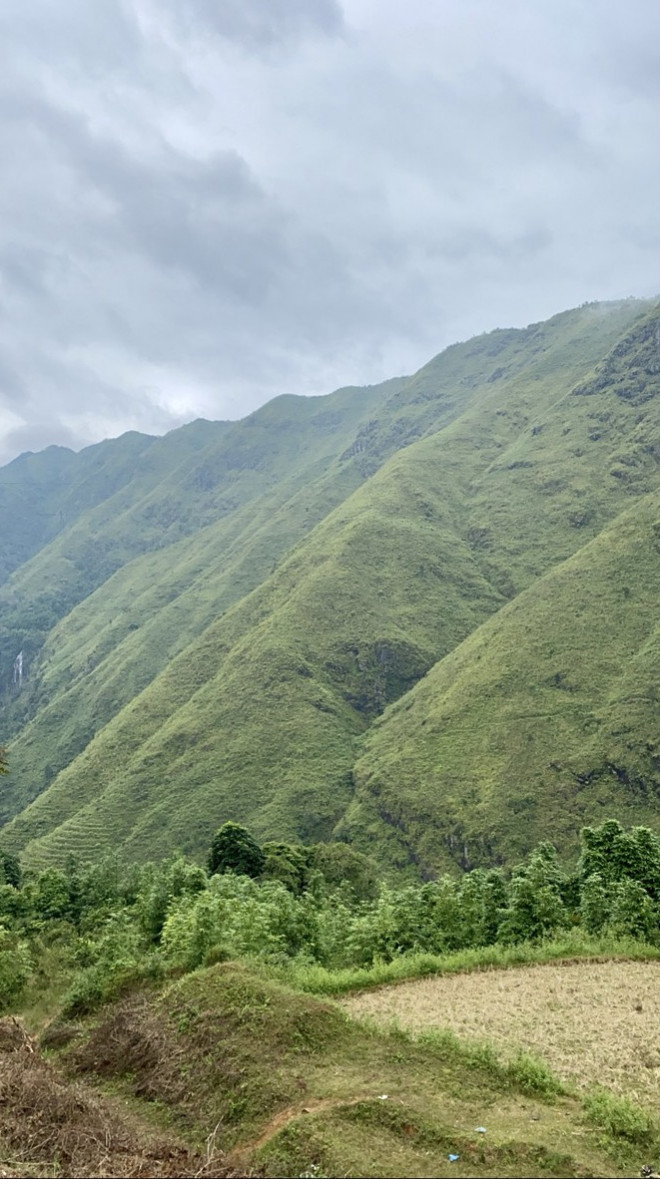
x: 593, y: 1022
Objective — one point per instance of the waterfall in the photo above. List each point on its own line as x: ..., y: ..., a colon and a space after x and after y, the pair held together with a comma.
x: 18, y: 670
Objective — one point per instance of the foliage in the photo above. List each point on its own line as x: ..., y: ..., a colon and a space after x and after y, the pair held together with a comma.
x: 15, y: 967
x: 616, y: 855
x: 116, y: 925
x: 619, y: 1117
x: 10, y: 869
x: 535, y: 908
x: 234, y: 849
x: 264, y: 591
x: 289, y: 863
x: 339, y: 863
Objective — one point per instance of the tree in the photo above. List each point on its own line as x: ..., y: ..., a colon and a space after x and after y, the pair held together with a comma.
x: 287, y: 863
x: 535, y: 908
x: 617, y: 855
x: 10, y: 869
x: 4, y: 768
x: 633, y: 911
x: 341, y: 864
x: 596, y: 901
x: 233, y: 849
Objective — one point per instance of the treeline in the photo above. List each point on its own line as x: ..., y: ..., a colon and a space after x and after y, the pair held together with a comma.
x: 103, y: 926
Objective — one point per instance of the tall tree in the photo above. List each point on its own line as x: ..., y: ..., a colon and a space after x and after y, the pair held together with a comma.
x: 234, y: 850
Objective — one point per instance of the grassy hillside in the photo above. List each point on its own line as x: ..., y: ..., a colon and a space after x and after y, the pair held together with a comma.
x: 528, y: 443
x: 289, y: 1085
x: 68, y: 510
x: 41, y: 493
x: 540, y: 722
x: 237, y: 481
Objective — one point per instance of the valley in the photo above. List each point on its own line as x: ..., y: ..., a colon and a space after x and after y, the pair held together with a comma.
x: 309, y: 621
x: 330, y: 778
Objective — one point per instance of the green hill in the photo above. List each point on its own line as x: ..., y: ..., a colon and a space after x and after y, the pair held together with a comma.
x: 540, y: 722
x: 225, y: 1073
x: 216, y: 642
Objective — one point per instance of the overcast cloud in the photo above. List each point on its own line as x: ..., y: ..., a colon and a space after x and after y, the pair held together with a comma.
x: 206, y: 203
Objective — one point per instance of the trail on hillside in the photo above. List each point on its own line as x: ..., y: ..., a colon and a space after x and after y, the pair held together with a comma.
x: 242, y: 1154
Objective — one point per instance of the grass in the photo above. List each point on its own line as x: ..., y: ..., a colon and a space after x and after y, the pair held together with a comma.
x: 295, y: 1086
x: 234, y: 673
x: 538, y: 723
x: 571, y: 946
x: 620, y: 1117
x: 226, y: 1072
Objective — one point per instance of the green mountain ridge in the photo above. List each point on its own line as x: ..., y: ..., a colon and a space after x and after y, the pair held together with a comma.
x: 265, y: 630
x: 543, y: 720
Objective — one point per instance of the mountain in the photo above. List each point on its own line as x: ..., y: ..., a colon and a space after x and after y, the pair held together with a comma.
x: 387, y: 614
x: 542, y: 720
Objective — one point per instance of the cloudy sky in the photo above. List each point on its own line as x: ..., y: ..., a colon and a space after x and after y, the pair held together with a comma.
x: 206, y: 203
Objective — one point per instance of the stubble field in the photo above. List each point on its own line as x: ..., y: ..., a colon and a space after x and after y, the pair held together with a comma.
x: 594, y: 1022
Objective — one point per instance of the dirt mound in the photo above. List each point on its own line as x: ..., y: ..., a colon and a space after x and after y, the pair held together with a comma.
x: 219, y: 1047
x: 47, y: 1120
x: 134, y: 1040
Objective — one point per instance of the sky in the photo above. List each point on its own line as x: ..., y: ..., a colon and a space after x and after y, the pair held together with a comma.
x: 207, y: 203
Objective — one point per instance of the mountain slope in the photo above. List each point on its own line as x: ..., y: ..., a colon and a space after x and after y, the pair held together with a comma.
x: 256, y: 717
x: 236, y: 476
x: 543, y: 720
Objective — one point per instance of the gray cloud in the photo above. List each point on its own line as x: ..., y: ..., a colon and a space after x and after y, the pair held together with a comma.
x: 207, y: 204
x: 260, y: 23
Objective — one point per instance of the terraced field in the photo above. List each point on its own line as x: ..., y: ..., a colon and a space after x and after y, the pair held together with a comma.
x: 595, y: 1023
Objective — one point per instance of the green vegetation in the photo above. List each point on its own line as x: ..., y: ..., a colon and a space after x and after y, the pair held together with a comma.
x: 224, y: 1072
x: 109, y: 925
x: 187, y: 994
x: 233, y: 849
x: 263, y: 608
x: 296, y: 1088
x: 381, y: 662
x: 538, y: 722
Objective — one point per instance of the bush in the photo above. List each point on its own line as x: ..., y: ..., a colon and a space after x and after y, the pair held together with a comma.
x: 534, y: 1076
x: 619, y: 1117
x: 160, y: 885
x: 10, y: 869
x: 287, y: 863
x: 237, y: 916
x: 15, y: 967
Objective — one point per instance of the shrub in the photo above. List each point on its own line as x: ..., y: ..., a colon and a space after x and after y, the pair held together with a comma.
x: 619, y: 1116
x: 15, y: 967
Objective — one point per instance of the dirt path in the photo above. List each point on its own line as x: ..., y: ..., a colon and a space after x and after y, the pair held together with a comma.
x: 241, y: 1155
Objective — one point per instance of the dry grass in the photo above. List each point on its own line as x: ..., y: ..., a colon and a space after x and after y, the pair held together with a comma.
x: 594, y: 1023
x: 52, y: 1126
